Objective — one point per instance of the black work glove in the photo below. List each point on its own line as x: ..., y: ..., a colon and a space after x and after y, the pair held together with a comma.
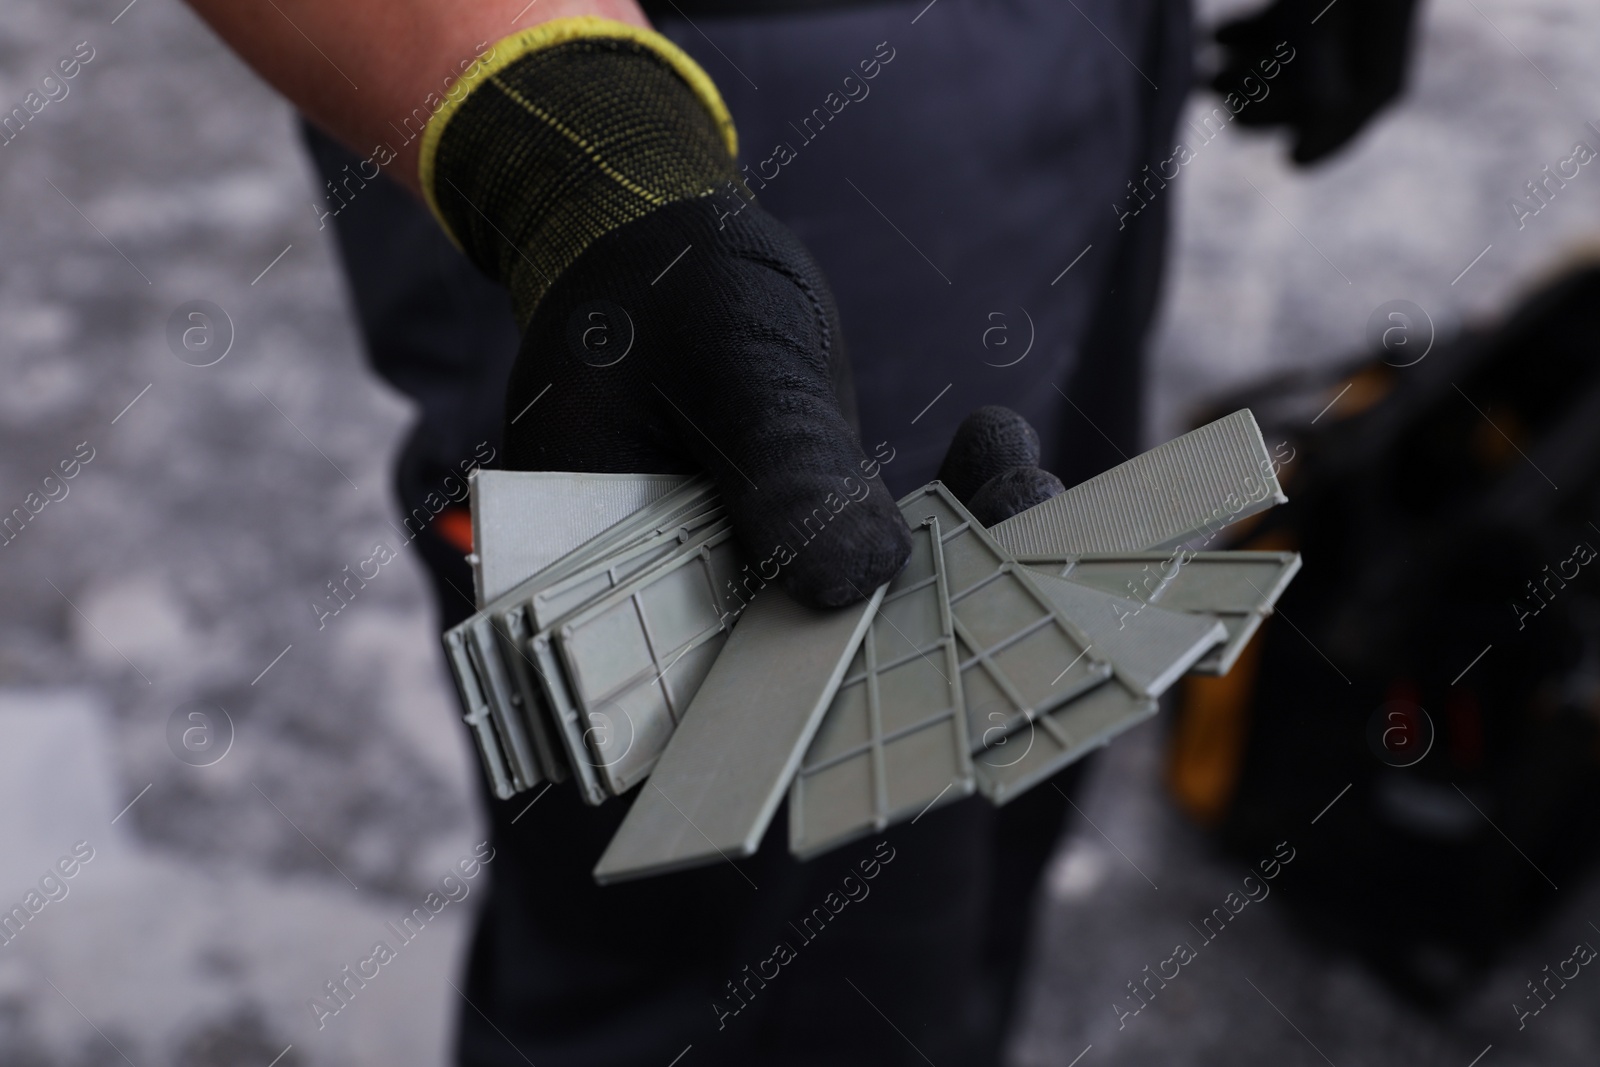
x: 1324, y: 80
x: 993, y: 466
x: 670, y: 325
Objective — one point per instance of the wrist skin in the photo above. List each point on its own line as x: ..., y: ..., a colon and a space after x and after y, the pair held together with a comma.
x: 357, y: 66
x: 452, y: 44
x: 562, y: 133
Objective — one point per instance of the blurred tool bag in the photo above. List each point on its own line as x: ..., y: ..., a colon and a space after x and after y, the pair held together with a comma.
x: 1441, y: 653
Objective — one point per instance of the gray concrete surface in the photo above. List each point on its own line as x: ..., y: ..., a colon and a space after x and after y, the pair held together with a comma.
x: 180, y: 565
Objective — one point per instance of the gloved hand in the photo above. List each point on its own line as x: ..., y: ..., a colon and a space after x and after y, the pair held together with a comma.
x: 992, y: 466
x: 670, y: 325
x: 1344, y: 68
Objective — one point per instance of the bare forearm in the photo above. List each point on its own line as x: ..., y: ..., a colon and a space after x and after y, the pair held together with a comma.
x: 359, y: 68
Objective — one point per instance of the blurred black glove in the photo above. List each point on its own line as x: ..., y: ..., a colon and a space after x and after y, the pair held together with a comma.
x: 993, y: 466
x: 670, y: 325
x: 1334, y: 74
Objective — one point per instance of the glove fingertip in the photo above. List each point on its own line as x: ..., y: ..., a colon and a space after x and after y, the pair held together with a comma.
x: 857, y: 553
x: 830, y: 540
x: 990, y: 440
x: 1012, y: 492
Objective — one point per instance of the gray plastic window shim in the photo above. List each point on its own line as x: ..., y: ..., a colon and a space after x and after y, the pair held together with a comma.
x: 1186, y: 489
x: 476, y: 714
x: 527, y: 700
x: 568, y: 594
x: 633, y: 660
x: 1240, y: 588
x: 725, y: 769
x: 1149, y: 647
x: 1019, y: 655
x: 514, y: 729
x: 518, y: 625
x: 1028, y: 757
x: 522, y: 521
x: 510, y: 724
x: 520, y: 661
x: 661, y: 516
x: 894, y: 741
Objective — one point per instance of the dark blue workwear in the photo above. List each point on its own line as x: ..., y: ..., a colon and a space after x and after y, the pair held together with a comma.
x: 944, y: 197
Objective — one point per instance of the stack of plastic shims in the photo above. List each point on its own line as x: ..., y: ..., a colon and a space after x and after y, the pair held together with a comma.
x: 996, y: 658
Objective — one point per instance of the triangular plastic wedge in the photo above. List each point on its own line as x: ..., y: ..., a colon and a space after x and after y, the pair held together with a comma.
x: 1030, y: 756
x: 1240, y: 588
x: 1149, y: 647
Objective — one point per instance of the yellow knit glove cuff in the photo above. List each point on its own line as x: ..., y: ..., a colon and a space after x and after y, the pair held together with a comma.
x: 562, y: 133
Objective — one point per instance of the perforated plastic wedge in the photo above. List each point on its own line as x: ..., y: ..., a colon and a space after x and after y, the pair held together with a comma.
x: 1239, y: 588
x: 498, y: 681
x: 1149, y: 648
x: 1028, y: 757
x: 894, y: 741
x: 1019, y: 655
x: 634, y: 658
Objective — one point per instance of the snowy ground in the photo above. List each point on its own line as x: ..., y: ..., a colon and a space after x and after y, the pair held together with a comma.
x: 178, y: 567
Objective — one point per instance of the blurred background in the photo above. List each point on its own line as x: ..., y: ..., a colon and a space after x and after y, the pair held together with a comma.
x: 210, y: 503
